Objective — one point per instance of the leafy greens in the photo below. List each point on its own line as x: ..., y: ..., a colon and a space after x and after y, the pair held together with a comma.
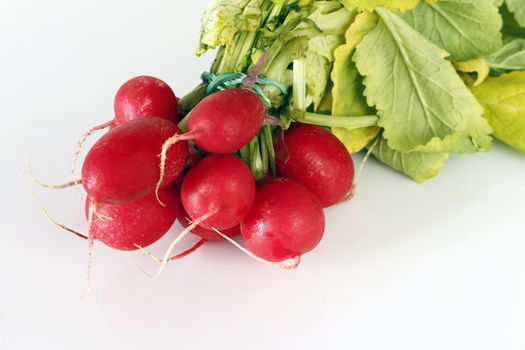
x: 391, y: 75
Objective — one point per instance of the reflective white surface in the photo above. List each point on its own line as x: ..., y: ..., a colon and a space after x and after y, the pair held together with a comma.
x: 402, y: 266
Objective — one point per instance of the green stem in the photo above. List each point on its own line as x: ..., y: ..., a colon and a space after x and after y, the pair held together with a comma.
x: 299, y: 84
x: 217, y: 62
x: 183, y: 124
x: 267, y: 135
x: 337, y: 121
x: 190, y: 100
x: 245, y: 154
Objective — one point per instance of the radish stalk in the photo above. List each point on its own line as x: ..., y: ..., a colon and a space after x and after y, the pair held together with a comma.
x: 347, y: 122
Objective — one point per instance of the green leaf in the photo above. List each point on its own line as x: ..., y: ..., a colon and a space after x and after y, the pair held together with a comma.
x: 419, y: 166
x: 319, y: 58
x: 332, y: 19
x: 510, y: 57
x: 504, y: 101
x: 223, y: 19
x: 347, y: 91
x: 422, y: 103
x: 517, y: 7
x: 348, y: 88
x: 466, y: 29
x: 479, y: 66
x: 395, y: 5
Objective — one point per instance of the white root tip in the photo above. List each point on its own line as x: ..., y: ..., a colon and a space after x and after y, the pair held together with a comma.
x: 137, y: 266
x: 297, y: 259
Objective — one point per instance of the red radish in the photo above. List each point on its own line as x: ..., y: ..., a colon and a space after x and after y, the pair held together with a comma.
x: 285, y: 222
x: 200, y: 231
x: 220, y: 186
x: 226, y: 121
x: 139, y: 97
x: 123, y: 165
x: 315, y: 158
x: 145, y: 96
x: 141, y: 222
x: 222, y: 123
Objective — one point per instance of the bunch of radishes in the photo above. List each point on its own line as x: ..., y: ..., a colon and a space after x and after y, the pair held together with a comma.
x: 144, y: 173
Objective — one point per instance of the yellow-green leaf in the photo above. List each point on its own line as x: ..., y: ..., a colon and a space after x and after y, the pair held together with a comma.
x: 503, y: 99
x: 422, y: 103
x: 466, y: 29
x: 420, y: 166
x: 395, y: 5
x: 347, y: 92
x: 348, y: 88
x: 357, y: 139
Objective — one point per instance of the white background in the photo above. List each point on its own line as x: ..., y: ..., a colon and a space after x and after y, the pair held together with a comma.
x: 402, y: 266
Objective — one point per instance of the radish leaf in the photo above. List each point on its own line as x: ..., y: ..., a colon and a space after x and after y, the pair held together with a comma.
x: 504, y: 101
x: 463, y: 36
x: 422, y: 103
x: 419, y: 166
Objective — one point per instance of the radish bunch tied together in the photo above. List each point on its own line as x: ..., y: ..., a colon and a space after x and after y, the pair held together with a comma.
x: 145, y: 173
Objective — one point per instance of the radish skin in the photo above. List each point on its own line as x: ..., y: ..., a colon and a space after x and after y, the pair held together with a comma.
x: 123, y: 165
x: 145, y: 96
x: 221, y: 123
x: 314, y: 157
x: 220, y: 185
x: 285, y: 222
x: 138, y: 223
x: 139, y: 97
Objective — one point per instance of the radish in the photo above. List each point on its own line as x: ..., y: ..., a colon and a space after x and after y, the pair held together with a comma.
x: 123, y: 165
x: 222, y: 123
x: 145, y: 96
x: 315, y: 158
x: 220, y: 187
x: 139, y: 97
x: 217, y: 193
x: 285, y: 222
x: 208, y: 235
x: 138, y: 223
x: 226, y: 121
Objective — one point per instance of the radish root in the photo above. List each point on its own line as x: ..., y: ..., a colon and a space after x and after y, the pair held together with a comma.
x: 163, y: 156
x: 187, y: 252
x: 159, y: 260
x: 351, y: 194
x: 45, y: 185
x: 78, y: 148
x: 83, y: 139
x: 91, y: 241
x: 176, y: 241
x: 296, y: 259
x: 43, y: 208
